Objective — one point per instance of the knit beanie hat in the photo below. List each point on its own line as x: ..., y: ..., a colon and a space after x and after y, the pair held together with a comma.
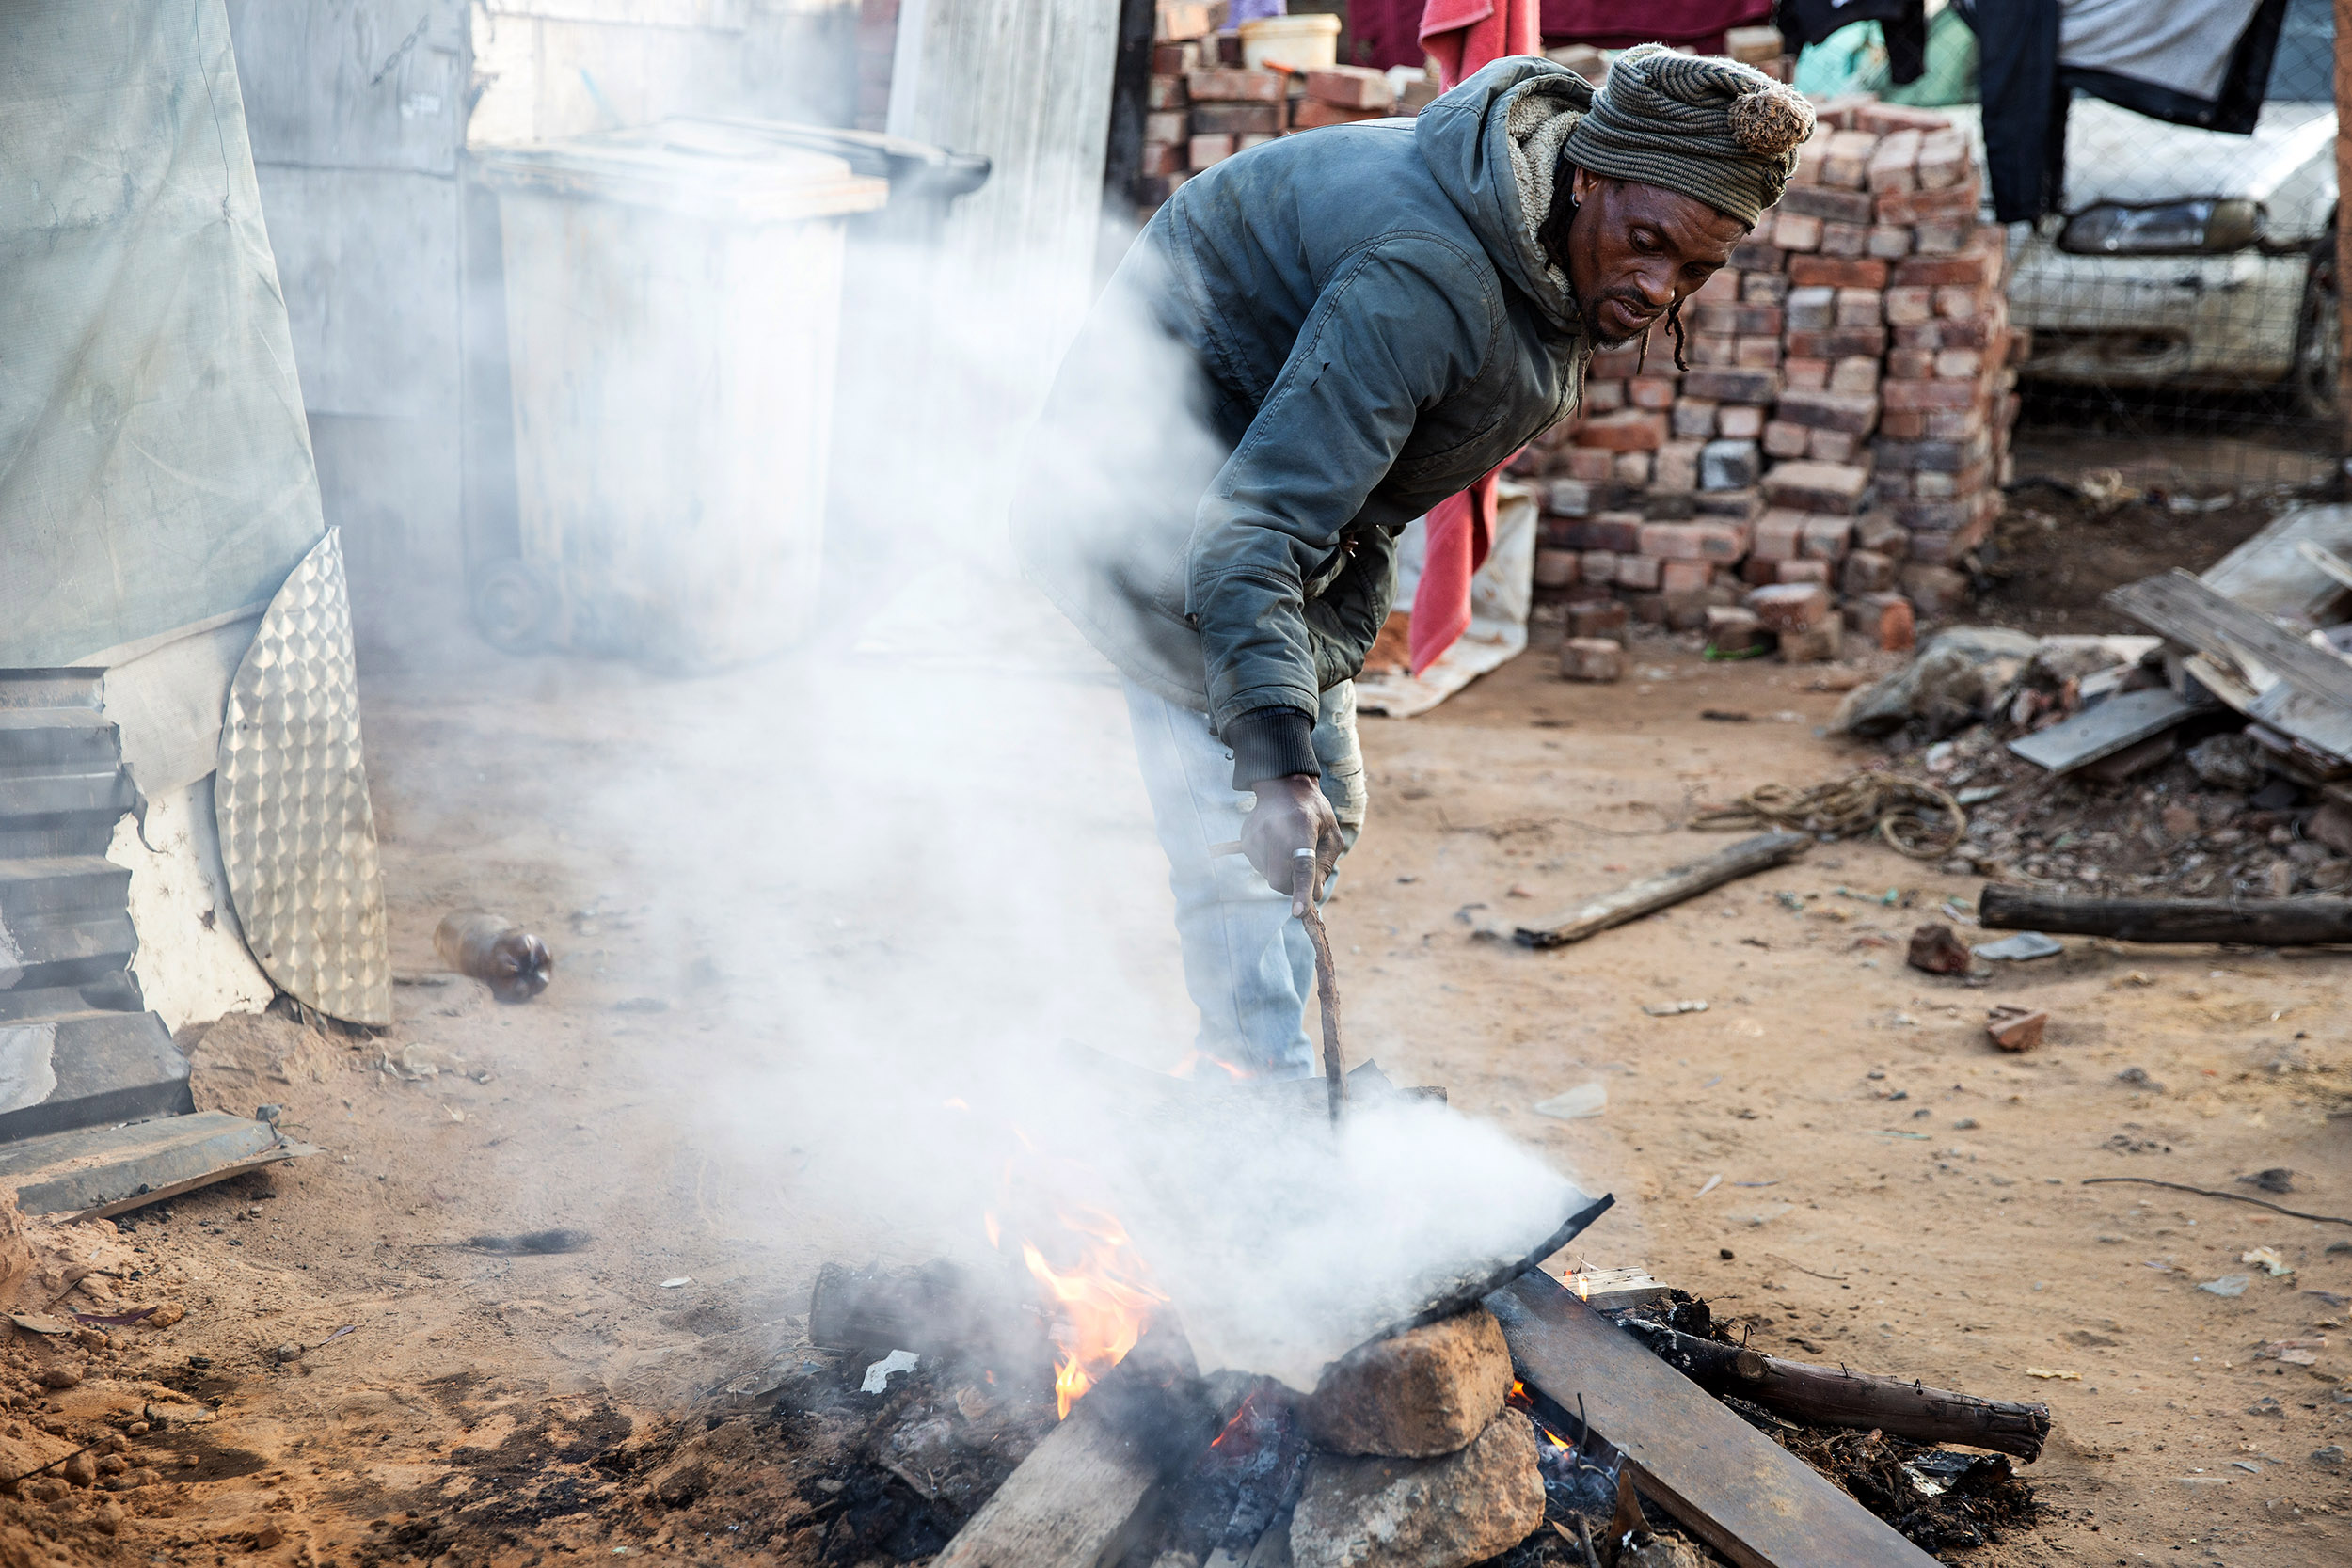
x: 1717, y: 131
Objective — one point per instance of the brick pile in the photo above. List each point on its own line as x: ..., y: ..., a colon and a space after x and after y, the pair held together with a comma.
x: 1204, y: 105
x: 1840, y: 436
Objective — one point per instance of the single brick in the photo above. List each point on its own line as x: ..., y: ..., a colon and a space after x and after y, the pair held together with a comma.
x: 1755, y: 354
x: 1795, y: 231
x: 1785, y: 607
x: 1721, y: 288
x: 1568, y: 497
x: 1555, y: 568
x: 1933, y: 591
x: 1779, y: 534
x: 1593, y: 464
x: 1847, y: 162
x: 1710, y: 351
x: 1854, y: 413
x: 1630, y: 467
x: 1733, y: 385
x: 1805, y: 375
x: 1847, y: 241
x: 1785, y: 439
x: 1839, y: 342
x: 1816, y: 645
x: 1607, y: 618
x: 1685, y: 576
x: 1867, y: 572
x: 1811, y: 310
x: 1822, y: 272
x: 1884, y: 535
x: 1887, y: 242
x: 1729, y: 464
x: 1805, y: 570
x: 1761, y: 288
x: 1351, y: 86
x: 1692, y: 418
x: 1637, y: 570
x: 1956, y: 364
x: 1236, y: 85
x: 1754, y: 255
x: 1933, y: 394
x: 1651, y: 392
x: 1312, y: 114
x: 1204, y: 151
x: 1832, y: 487
x: 1959, y: 302
x: 1591, y: 658
x: 1210, y: 119
x: 1952, y: 204
x: 1894, y: 165
x: 1598, y: 566
x: 1627, y: 430
x: 1824, y: 538
x: 1740, y: 421
x: 1733, y: 630
x: 1831, y: 446
x: 1828, y: 204
x: 1674, y: 471
x: 1856, y: 375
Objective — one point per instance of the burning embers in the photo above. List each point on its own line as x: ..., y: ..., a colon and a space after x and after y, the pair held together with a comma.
x: 1105, y: 1299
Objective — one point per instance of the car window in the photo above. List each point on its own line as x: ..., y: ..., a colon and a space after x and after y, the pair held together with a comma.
x: 2303, y: 70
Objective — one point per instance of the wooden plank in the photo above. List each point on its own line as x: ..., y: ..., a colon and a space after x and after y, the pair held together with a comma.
x: 2250, y: 922
x: 2184, y: 610
x: 1728, y: 1483
x: 95, y: 1172
x: 1652, y: 894
x: 2115, y: 725
x: 2269, y: 575
x: 1085, y: 1493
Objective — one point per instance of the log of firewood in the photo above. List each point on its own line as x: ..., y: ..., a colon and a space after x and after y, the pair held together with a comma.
x: 933, y: 1310
x: 2252, y: 921
x: 1834, y: 1397
x: 1668, y: 888
x: 1086, y: 1494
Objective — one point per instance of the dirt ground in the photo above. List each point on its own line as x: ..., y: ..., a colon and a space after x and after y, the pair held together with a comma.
x: 1895, y: 1193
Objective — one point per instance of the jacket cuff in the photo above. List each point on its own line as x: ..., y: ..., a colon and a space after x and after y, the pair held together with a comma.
x: 1271, y: 743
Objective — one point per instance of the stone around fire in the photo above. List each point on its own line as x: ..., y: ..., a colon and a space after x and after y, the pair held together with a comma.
x: 1465, y: 1508
x: 1415, y: 1395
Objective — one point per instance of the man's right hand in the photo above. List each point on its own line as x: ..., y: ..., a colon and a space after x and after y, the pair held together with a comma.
x: 1291, y: 814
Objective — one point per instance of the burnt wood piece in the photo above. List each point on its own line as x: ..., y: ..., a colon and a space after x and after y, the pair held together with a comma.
x: 1085, y: 1495
x: 1668, y: 888
x: 933, y: 1310
x: 2252, y: 921
x: 1733, y: 1487
x: 1833, y: 1396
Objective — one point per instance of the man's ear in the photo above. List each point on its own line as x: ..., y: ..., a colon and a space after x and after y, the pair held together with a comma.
x: 1584, y: 185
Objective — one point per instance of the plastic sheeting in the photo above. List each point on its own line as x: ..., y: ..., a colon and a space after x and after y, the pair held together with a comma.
x: 155, y: 470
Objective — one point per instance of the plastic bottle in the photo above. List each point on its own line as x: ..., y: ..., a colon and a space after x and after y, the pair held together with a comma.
x: 510, y: 961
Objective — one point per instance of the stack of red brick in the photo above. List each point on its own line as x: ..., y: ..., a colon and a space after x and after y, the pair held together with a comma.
x: 1204, y: 105
x: 1842, y: 429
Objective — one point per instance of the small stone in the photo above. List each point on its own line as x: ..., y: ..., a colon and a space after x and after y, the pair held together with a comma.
x: 1448, y: 1513
x: 1937, y: 950
x: 1666, y: 1550
x: 268, y: 1535
x: 1414, y: 1395
x: 1591, y: 658
x: 64, y: 1376
x: 286, y: 1352
x: 165, y: 1316
x: 80, y: 1470
x: 2330, y: 1457
x: 106, y: 1518
x: 1724, y: 1253
x: 2016, y: 1028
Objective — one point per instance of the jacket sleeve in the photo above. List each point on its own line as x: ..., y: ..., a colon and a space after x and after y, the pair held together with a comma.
x: 1405, y: 324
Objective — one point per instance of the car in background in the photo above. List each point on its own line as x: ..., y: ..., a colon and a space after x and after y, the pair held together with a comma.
x: 2194, y: 259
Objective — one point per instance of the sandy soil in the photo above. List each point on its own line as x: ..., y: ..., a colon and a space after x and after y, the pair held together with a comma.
x: 1895, y: 1192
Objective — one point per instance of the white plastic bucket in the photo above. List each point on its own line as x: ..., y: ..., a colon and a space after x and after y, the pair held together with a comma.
x: 1293, y: 42
x: 673, y: 307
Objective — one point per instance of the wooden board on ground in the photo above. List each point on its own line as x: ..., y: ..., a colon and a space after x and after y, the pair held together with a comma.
x: 2115, y: 725
x: 2303, y: 692
x: 94, y: 1172
x: 1666, y: 889
x: 1732, y: 1486
x: 2268, y: 575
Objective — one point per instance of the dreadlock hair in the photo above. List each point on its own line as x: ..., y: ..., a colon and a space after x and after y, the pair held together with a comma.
x: 1673, y: 331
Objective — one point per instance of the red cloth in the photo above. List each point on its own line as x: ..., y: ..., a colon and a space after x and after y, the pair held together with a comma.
x: 1697, y: 25
x: 1384, y: 33
x: 1463, y: 37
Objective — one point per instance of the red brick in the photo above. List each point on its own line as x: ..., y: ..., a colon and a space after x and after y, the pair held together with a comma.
x: 1969, y: 267
x: 1173, y: 20
x: 1829, y: 205
x: 1931, y: 394
x: 1858, y: 307
x: 1824, y: 538
x: 1616, y: 363
x: 1733, y: 385
x: 1755, y: 354
x: 1894, y: 166
x: 1820, y: 271
x: 1710, y: 350
x: 1593, y: 464
x: 1831, y: 446
x: 1205, y: 151
x: 1555, y: 568
x: 1944, y: 159
x: 1959, y: 363
x: 1887, y: 242
x: 1721, y: 288
x: 1685, y: 576
x: 1848, y: 239
x: 1675, y: 468
x: 1907, y: 423
x: 1847, y: 164
x: 1237, y: 85
x: 1778, y: 536
x: 1801, y: 571
x: 1618, y: 533
x: 1910, y: 364
x: 1606, y: 618
x: 1740, y: 421
x: 1805, y: 375
x: 1602, y: 396
x: 1627, y: 430
x: 1693, y: 541
x: 1785, y: 439
x: 1733, y: 630
x: 1811, y: 310
x: 1895, y: 119
x: 1692, y: 420
x: 1351, y: 86
x: 1795, y: 231
x: 1791, y: 607
x: 1952, y: 204
x: 1755, y: 255
x: 1762, y: 288
x: 1807, y: 487
x: 1858, y: 375
x: 1958, y: 302
x: 1941, y: 236
x: 1908, y: 305
x: 1598, y: 565
x: 1161, y: 157
x: 1167, y: 92
x: 1838, y: 342
x: 1312, y: 114
x: 1741, y: 319
x: 1239, y: 120
x: 1650, y: 391
x: 1638, y: 571
x: 1175, y: 59
x: 1867, y: 572
x: 1591, y: 658
x: 1853, y: 412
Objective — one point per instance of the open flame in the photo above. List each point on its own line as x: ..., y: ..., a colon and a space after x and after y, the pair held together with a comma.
x: 1106, y: 1298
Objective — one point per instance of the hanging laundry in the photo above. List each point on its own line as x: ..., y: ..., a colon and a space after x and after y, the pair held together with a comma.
x: 1903, y: 23
x: 1697, y: 25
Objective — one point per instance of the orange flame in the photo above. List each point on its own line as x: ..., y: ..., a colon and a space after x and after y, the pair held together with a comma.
x: 1190, y: 1065
x: 1106, y: 1298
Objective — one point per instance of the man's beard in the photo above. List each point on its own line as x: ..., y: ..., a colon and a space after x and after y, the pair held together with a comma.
x: 1599, y: 334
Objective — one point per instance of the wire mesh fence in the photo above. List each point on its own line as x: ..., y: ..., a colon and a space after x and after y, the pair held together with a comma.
x: 2184, y: 292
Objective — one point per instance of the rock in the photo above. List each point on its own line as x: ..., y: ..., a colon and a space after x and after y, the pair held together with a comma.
x: 65, y: 1375
x: 1957, y: 676
x: 268, y: 1535
x: 1414, y: 1395
x: 106, y: 1518
x: 2016, y: 1028
x: 2331, y: 825
x: 2180, y: 822
x: 1591, y: 658
x: 1666, y: 1550
x: 2329, y: 1458
x: 2228, y: 762
x: 1449, y: 1513
x: 286, y: 1352
x: 165, y: 1316
x: 1937, y: 950
x: 80, y: 1470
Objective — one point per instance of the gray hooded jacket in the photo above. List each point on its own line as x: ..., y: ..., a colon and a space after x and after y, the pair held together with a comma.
x: 1311, y: 343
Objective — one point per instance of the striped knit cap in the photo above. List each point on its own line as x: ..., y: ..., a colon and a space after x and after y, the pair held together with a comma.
x: 1716, y: 131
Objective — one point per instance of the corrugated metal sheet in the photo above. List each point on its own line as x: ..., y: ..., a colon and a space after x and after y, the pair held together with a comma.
x: 77, y: 1047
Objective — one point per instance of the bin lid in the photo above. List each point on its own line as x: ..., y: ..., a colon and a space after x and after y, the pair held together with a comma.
x: 704, y: 168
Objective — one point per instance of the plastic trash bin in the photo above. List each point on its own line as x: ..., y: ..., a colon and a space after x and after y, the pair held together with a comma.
x: 672, y: 306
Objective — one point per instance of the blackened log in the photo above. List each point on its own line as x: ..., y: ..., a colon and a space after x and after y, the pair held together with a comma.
x: 937, y: 1309
x: 1834, y: 1397
x: 2250, y: 922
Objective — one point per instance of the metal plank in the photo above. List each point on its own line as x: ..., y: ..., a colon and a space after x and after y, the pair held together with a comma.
x: 1735, y: 1488
x: 2114, y: 725
x: 98, y: 1171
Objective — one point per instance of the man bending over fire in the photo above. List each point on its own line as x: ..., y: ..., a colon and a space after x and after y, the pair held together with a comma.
x: 1310, y: 345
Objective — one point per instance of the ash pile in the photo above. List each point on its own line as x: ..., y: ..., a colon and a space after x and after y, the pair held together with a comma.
x: 2207, y: 761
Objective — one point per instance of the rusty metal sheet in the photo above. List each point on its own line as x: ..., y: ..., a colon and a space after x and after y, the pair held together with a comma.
x: 296, y: 832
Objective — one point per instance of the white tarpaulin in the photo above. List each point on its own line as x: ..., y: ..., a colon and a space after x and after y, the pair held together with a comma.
x: 154, y: 468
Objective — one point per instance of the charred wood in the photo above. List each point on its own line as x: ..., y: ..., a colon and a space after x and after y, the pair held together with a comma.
x: 2251, y: 922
